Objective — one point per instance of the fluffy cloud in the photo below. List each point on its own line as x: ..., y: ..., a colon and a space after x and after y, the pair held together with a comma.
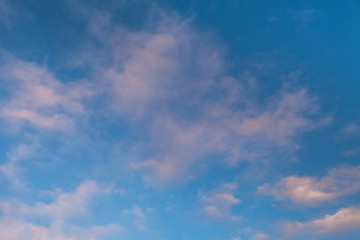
x: 344, y: 220
x: 311, y: 191
x: 17, y: 217
x: 36, y: 97
x: 17, y: 230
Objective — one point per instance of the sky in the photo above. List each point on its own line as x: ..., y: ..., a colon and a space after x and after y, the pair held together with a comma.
x: 179, y: 120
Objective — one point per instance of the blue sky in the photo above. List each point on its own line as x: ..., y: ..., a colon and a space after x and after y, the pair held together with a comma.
x: 179, y: 120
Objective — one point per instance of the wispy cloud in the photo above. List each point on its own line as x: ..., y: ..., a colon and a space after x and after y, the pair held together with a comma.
x: 170, y: 81
x: 306, y: 17
x: 217, y: 203
x: 351, y: 129
x: 138, y: 215
x: 12, y: 170
x: 7, y: 13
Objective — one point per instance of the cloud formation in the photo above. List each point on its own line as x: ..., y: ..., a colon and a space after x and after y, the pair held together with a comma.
x: 310, y: 191
x: 169, y: 83
x: 344, y: 220
x: 17, y: 221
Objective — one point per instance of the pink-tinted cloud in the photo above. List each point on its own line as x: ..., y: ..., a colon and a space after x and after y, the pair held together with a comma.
x: 344, y: 220
x: 310, y: 191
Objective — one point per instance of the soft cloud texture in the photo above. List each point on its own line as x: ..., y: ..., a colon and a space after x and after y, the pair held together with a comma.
x: 165, y: 100
x: 37, y: 98
x: 311, y: 191
x: 169, y: 82
x: 344, y: 220
x: 11, y: 170
x: 17, y: 221
x: 260, y: 236
x: 217, y: 203
x: 138, y: 215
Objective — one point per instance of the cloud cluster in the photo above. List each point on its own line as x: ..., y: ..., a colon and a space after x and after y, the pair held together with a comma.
x: 310, y: 191
x: 19, y: 220
x: 169, y: 83
x: 173, y: 83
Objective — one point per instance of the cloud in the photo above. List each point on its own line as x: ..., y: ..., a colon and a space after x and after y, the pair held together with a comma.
x: 138, y: 215
x: 18, y: 230
x: 281, y: 121
x: 310, y: 191
x: 36, y: 97
x: 217, y: 203
x: 17, y: 218
x: 7, y: 13
x: 66, y: 205
x: 170, y: 82
x: 352, y: 152
x: 344, y: 220
x: 351, y: 129
x: 260, y: 236
x: 350, y: 132
x: 12, y: 170
x: 306, y: 17
x: 13, y: 173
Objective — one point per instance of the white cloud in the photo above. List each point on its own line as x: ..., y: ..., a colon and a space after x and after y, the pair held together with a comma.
x: 344, y: 220
x: 16, y: 217
x: 19, y: 230
x: 217, y: 203
x: 38, y: 98
x: 311, y: 191
x: 66, y: 205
